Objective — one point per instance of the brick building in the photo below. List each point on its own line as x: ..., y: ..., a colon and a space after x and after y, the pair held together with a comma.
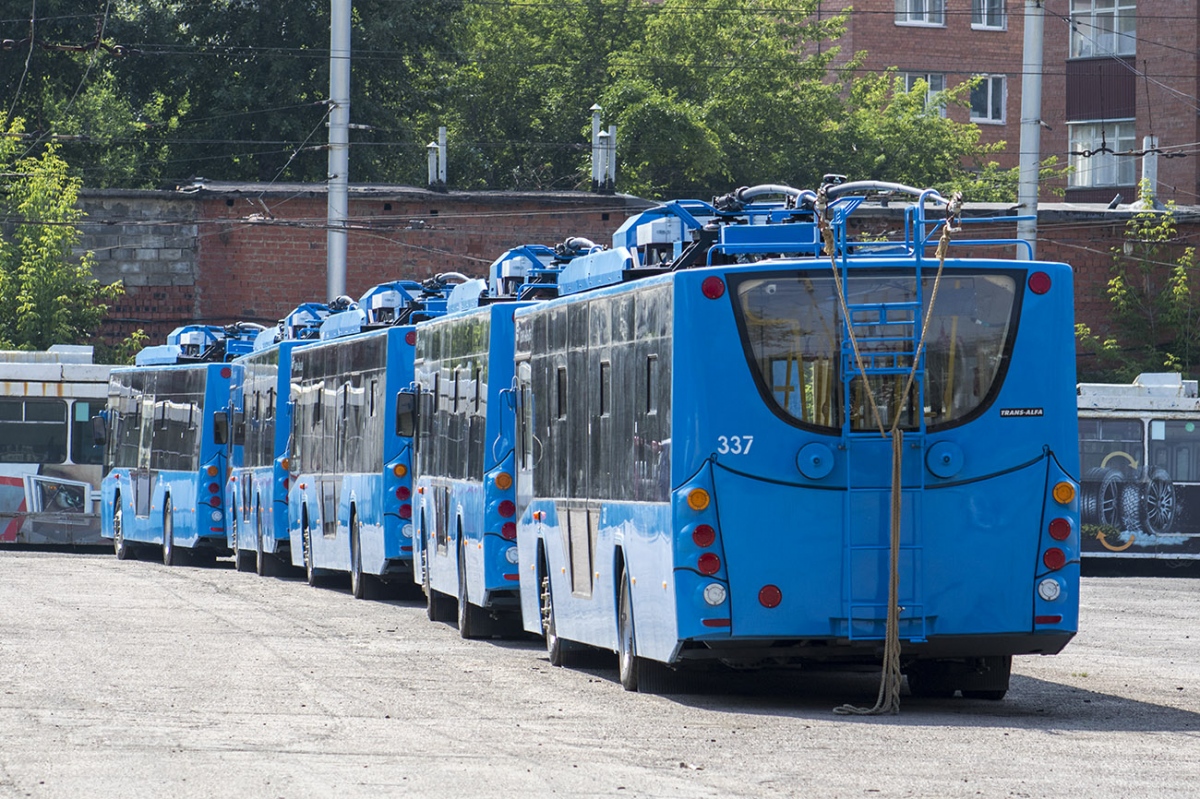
x: 219, y: 253
x: 1114, y: 71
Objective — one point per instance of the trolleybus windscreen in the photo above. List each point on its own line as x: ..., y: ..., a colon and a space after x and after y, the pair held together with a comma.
x: 793, y: 330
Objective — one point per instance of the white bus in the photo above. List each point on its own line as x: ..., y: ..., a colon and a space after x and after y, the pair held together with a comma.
x: 1140, y: 468
x: 50, y: 465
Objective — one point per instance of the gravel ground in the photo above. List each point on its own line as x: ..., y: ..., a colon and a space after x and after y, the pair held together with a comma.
x: 131, y: 679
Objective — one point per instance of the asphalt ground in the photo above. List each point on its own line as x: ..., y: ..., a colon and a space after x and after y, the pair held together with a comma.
x: 131, y: 679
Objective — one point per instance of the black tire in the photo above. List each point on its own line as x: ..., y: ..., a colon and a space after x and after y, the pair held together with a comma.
x: 559, y: 651
x: 169, y: 556
x: 627, y: 666
x: 1088, y: 504
x: 310, y: 571
x: 472, y: 620
x: 361, y: 585
x: 1158, y: 509
x: 1131, y: 507
x: 120, y: 547
x: 264, y: 564
x: 437, y: 604
x: 1109, y: 498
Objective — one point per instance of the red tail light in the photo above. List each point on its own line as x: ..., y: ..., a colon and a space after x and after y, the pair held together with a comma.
x: 215, y: 501
x: 1054, y: 558
x: 704, y: 535
x: 1047, y: 619
x: 769, y: 596
x: 1039, y: 282
x: 226, y: 372
x: 406, y: 511
x: 214, y: 488
x: 713, y: 287
x: 403, y: 493
x: 1060, y: 529
x: 410, y: 337
x: 509, y: 530
x: 507, y: 508
x: 709, y: 563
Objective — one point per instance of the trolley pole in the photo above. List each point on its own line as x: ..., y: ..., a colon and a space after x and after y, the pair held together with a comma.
x: 339, y: 148
x: 1031, y: 128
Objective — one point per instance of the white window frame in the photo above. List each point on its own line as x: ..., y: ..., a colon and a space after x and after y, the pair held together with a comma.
x: 1102, y: 170
x: 1103, y: 28
x: 991, y: 85
x: 935, y: 81
x: 926, y: 13
x: 981, y: 10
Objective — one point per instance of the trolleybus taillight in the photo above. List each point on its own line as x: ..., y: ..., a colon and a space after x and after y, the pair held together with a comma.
x: 1060, y: 529
x: 405, y: 511
x: 708, y: 563
x: 402, y: 493
x: 1054, y: 558
x: 509, y: 531
x: 214, y: 488
x: 226, y: 372
x: 410, y: 337
x: 1039, y: 282
x: 507, y: 508
x: 713, y: 287
x: 704, y: 535
x: 769, y: 596
x: 215, y: 501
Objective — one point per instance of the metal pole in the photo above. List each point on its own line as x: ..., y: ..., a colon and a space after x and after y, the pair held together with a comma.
x: 1150, y: 172
x: 597, y: 177
x: 610, y: 177
x: 1031, y: 126
x: 339, y: 148
x: 442, y: 155
x: 432, y: 150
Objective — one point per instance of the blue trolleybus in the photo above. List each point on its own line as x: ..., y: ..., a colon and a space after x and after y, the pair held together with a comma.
x: 350, y: 502
x: 260, y: 425
x: 705, y: 459
x: 166, y: 435
x: 465, y: 510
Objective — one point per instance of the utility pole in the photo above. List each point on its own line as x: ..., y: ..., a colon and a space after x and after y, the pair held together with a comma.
x: 1031, y: 127
x: 339, y: 148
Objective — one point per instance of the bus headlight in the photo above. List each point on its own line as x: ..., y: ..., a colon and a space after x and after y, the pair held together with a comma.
x: 1049, y: 589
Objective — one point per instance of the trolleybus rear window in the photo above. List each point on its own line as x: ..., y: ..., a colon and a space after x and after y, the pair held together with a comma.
x: 792, y: 328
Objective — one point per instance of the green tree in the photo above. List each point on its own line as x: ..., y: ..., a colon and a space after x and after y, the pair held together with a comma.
x: 47, y: 293
x: 1155, y: 301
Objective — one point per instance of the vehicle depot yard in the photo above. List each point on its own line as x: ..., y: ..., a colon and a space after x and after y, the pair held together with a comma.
x: 134, y: 679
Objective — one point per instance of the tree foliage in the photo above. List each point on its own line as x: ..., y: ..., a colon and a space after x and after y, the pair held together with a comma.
x: 1155, y: 299
x: 47, y: 294
x: 705, y: 94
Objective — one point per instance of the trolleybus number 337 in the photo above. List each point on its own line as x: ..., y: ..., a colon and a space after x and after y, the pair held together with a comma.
x: 734, y: 445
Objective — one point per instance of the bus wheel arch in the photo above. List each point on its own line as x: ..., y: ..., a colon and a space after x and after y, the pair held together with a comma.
x: 121, y: 548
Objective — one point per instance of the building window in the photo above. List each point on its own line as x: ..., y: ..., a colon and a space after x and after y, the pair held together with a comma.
x: 934, y: 83
x: 1103, y: 27
x: 921, y: 12
x: 987, y: 99
x: 1104, y: 168
x: 989, y: 14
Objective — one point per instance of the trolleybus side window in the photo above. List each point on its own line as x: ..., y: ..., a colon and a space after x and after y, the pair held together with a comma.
x: 84, y: 448
x: 1110, y: 444
x: 792, y: 333
x: 1175, y: 447
x: 33, y: 431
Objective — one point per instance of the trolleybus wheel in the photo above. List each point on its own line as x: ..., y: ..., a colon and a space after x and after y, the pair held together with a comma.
x: 626, y: 654
x: 558, y: 650
x: 120, y: 548
x: 437, y: 604
x: 168, y: 545
x: 636, y: 673
x: 472, y: 621
x: 1158, y: 504
x: 310, y: 571
x: 262, y: 559
x: 360, y: 584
